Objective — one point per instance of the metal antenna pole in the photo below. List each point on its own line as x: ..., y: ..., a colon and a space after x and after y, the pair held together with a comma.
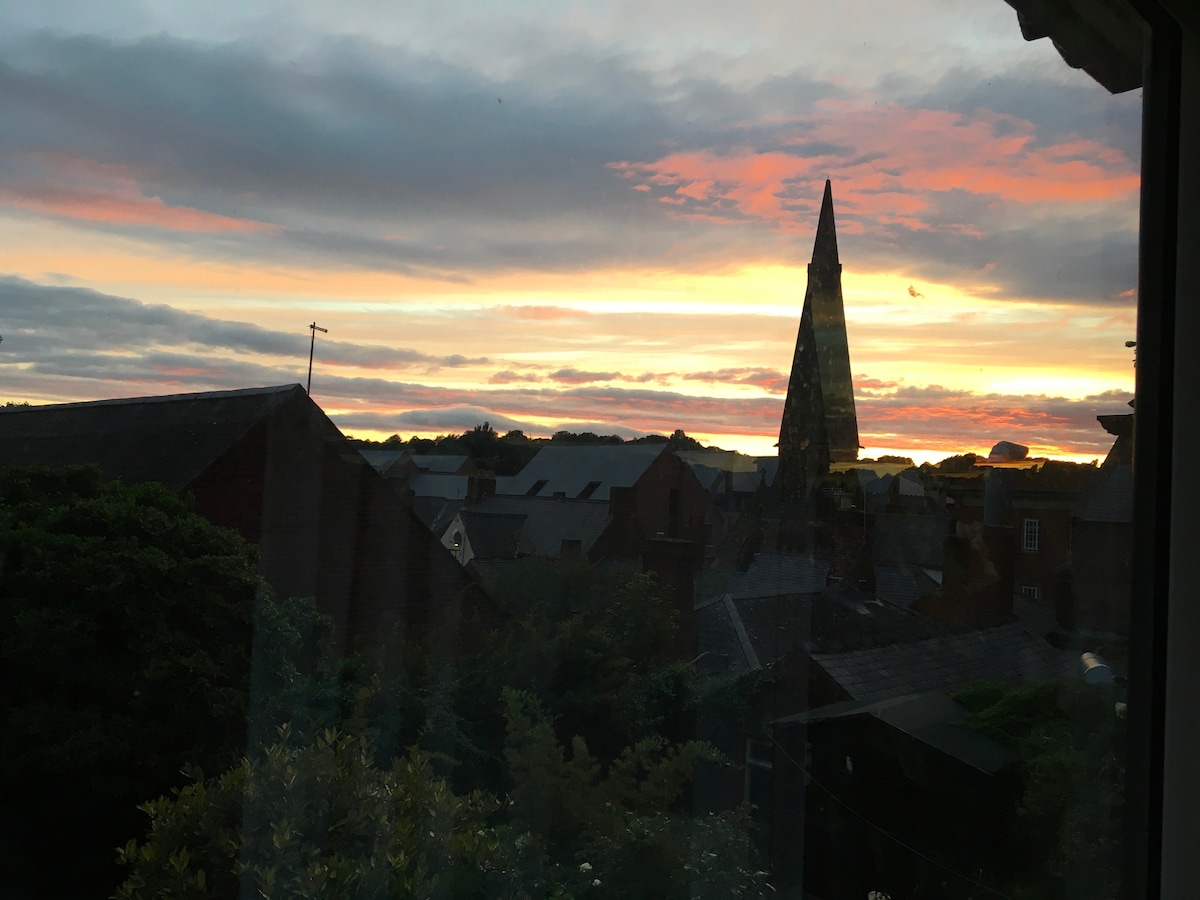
x: 314, y: 328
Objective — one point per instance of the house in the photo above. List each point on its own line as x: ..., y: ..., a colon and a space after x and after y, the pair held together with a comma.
x: 1100, y: 580
x: 649, y: 491
x: 870, y: 795
x: 827, y: 645
x: 499, y: 528
x: 268, y: 463
x: 1035, y: 500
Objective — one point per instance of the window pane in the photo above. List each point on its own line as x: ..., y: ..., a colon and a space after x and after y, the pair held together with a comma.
x: 739, y: 499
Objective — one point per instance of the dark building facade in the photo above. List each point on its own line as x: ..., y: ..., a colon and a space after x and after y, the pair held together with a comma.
x: 268, y: 463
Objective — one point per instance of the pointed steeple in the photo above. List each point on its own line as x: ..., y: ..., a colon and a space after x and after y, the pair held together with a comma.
x: 819, y: 424
x: 825, y: 246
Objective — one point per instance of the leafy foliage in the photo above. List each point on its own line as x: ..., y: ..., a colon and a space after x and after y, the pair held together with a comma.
x: 559, y: 753
x: 507, y: 454
x: 126, y: 627
x: 1071, y: 740
x: 322, y: 818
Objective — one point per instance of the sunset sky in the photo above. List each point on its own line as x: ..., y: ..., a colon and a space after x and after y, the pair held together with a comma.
x: 581, y: 215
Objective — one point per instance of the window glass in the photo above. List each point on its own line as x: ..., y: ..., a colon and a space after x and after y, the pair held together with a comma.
x: 709, y: 472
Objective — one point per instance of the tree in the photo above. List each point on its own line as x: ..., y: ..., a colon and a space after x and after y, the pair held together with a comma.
x: 318, y: 818
x: 1071, y: 740
x: 126, y: 632
x: 559, y: 757
x: 323, y: 818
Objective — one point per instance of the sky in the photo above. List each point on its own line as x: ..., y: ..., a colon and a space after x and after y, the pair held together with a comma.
x: 568, y: 215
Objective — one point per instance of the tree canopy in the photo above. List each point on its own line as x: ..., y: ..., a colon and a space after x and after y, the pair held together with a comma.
x: 126, y: 633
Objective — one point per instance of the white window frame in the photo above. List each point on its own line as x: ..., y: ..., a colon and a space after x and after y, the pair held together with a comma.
x: 1031, y: 534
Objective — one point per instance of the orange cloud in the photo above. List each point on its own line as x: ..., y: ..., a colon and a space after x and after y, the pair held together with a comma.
x: 886, y: 159
x: 79, y: 188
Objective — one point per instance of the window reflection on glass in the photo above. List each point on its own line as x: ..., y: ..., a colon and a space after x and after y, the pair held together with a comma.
x: 739, y: 501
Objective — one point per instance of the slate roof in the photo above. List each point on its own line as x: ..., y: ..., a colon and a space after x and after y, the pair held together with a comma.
x: 494, y: 535
x: 711, y: 479
x: 1008, y: 654
x: 548, y: 522
x: 781, y: 573
x: 912, y: 539
x: 902, y: 585
x: 932, y: 718
x: 432, y: 484
x: 1110, y: 498
x: 170, y: 439
x: 569, y: 469
x: 382, y: 460
x: 872, y: 650
x: 436, y: 512
x: 720, y: 645
x: 432, y: 462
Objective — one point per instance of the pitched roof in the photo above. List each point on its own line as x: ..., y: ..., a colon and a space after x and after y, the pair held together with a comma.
x: 170, y: 439
x: 570, y: 469
x: 902, y: 585
x: 873, y: 650
x: 436, y: 513
x: 932, y: 718
x: 781, y: 573
x: 493, y: 535
x: 1110, y: 498
x: 382, y: 460
x: 912, y: 539
x: 433, y: 462
x: 548, y: 522
x: 436, y: 484
x: 1007, y: 654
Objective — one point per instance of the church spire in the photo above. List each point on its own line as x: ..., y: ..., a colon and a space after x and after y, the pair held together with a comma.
x: 825, y: 246
x: 819, y: 424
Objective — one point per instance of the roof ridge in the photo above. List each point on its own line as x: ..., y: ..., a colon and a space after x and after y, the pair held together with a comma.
x: 162, y: 398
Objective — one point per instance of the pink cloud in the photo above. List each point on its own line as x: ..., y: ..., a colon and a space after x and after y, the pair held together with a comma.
x: 78, y: 188
x: 924, y: 152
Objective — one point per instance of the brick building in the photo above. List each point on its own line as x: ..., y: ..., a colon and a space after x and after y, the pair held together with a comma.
x: 268, y: 463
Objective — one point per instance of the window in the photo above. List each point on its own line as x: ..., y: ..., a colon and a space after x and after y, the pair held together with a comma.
x: 587, y: 492
x: 1030, y: 535
x: 745, y: 177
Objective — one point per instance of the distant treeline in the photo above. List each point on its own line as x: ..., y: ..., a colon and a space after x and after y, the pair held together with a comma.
x: 507, y: 454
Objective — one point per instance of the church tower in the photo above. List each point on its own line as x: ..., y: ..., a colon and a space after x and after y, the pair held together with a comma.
x: 819, y: 425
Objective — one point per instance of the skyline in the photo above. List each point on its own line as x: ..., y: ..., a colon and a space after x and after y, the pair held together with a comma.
x: 595, y: 217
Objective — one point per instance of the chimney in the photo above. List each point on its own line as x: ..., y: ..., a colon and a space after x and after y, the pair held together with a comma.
x: 479, y: 487
x: 977, y: 577
x: 622, y: 502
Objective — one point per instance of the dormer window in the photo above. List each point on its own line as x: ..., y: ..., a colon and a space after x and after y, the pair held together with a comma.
x: 587, y: 492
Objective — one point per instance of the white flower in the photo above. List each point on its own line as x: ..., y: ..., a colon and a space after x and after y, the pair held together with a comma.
x: 595, y: 882
x: 585, y: 867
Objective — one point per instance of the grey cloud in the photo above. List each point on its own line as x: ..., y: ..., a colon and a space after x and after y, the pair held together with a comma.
x: 47, y: 323
x: 380, y: 158
x: 1082, y: 108
x: 576, y: 376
